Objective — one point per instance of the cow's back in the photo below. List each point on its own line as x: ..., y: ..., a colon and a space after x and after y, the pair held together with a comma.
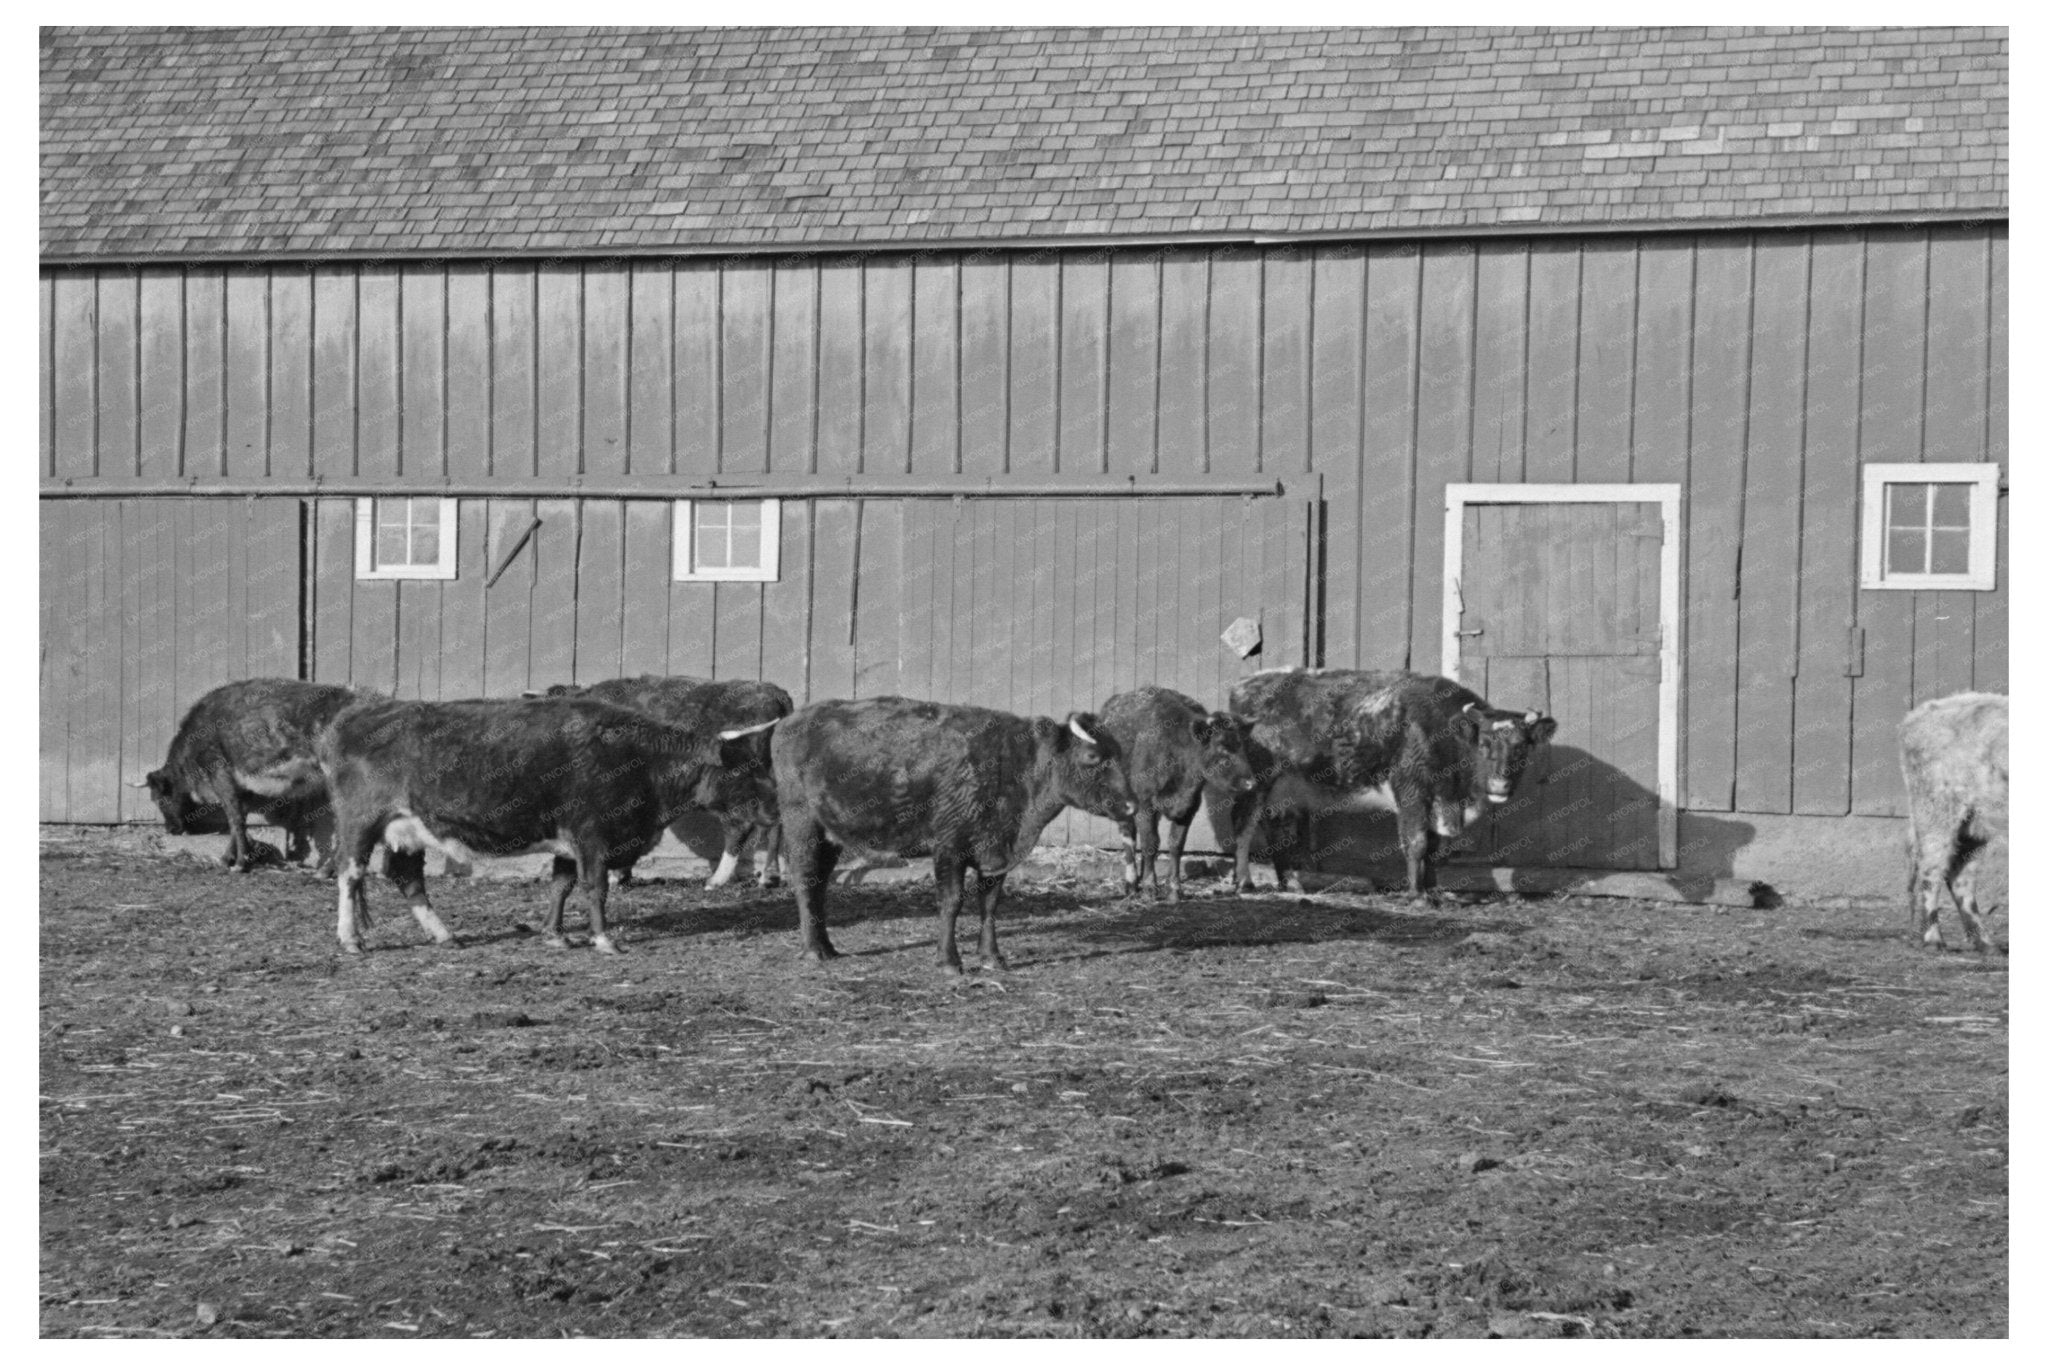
x: 1154, y: 727
x: 891, y: 773
x: 257, y: 725
x: 501, y: 776
x: 1958, y: 747
x: 699, y: 705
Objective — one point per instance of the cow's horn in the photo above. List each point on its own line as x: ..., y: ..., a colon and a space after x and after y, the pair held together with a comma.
x: 1533, y: 717
x: 1075, y: 726
x: 1471, y: 706
x: 138, y: 784
x: 750, y: 730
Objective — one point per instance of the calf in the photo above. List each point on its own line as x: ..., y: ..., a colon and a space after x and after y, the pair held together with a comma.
x: 1173, y: 748
x: 1432, y: 751
x: 590, y: 782
x: 966, y: 786
x: 704, y: 707
x: 1954, y: 754
x: 249, y: 746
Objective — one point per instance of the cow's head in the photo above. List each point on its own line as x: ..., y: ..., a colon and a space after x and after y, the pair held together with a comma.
x: 1501, y: 742
x: 1087, y: 767
x: 1227, y: 759
x: 174, y: 801
x: 738, y: 778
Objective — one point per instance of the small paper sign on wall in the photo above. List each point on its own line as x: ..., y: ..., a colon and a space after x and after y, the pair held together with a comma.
x: 1243, y: 636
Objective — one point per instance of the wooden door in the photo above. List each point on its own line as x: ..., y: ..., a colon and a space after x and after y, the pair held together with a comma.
x: 1559, y: 608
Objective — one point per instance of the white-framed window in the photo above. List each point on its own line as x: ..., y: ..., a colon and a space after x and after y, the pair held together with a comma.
x: 405, y: 537
x: 728, y: 540
x: 1930, y: 526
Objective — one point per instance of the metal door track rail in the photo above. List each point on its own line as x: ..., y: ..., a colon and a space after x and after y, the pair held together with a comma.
x: 738, y: 487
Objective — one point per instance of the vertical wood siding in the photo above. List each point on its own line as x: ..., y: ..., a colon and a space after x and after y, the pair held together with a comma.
x: 1758, y: 370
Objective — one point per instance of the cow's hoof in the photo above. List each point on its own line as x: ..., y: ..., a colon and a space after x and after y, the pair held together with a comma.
x: 554, y: 940
x: 998, y: 963
x: 821, y: 952
x: 450, y: 943
x: 603, y: 944
x: 770, y: 883
x: 952, y: 969
x: 352, y: 949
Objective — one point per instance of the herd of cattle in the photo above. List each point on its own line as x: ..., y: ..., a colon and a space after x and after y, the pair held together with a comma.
x: 595, y: 774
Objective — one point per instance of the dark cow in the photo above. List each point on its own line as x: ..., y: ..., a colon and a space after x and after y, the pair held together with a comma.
x: 591, y: 782
x: 249, y: 747
x: 1173, y: 748
x: 1954, y: 754
x: 1432, y: 751
x: 966, y: 786
x: 705, y: 707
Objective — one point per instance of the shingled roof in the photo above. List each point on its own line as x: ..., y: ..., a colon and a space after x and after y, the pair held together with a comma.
x: 472, y: 141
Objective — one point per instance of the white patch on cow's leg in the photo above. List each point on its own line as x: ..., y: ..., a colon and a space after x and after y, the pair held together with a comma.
x: 728, y: 863
x: 431, y: 922
x: 347, y: 885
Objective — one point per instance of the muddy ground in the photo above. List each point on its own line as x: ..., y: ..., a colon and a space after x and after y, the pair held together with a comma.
x: 1268, y: 1115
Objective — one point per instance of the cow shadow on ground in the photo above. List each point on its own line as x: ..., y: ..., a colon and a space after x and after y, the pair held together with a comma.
x: 1572, y: 810
x: 1089, y: 919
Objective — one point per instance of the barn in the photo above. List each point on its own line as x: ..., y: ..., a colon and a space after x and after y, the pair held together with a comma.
x: 1653, y: 378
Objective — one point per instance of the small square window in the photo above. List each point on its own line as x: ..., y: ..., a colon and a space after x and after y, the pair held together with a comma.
x: 1930, y: 526
x: 405, y: 537
x: 728, y: 540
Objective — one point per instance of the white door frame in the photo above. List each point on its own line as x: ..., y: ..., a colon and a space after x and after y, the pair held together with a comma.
x: 1459, y: 496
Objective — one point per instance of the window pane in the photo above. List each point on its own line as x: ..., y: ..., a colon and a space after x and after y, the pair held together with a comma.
x: 1908, y: 505
x: 1905, y: 550
x: 711, y: 547
x: 426, y: 542
x: 711, y: 516
x: 746, y: 545
x: 391, y: 512
x: 745, y: 514
x: 1949, y: 551
x: 390, y: 546
x: 1952, y: 504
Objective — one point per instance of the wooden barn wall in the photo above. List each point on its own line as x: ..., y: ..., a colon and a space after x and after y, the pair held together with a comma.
x: 1758, y: 370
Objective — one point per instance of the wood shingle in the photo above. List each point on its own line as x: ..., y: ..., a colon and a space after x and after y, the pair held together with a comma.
x: 184, y: 142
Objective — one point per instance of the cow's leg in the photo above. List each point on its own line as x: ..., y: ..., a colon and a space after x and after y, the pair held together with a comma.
x: 408, y: 871
x: 1418, y: 843
x: 1922, y: 926
x: 352, y: 854
x: 562, y: 882
x: 770, y: 842
x: 590, y: 874
x: 238, y: 832
x: 991, y: 895
x: 733, y: 833
x: 811, y: 857
x: 951, y: 874
x: 1176, y: 840
x: 1287, y: 846
x: 1962, y: 888
x: 1148, y: 848
x: 1127, y: 825
x: 1244, y: 824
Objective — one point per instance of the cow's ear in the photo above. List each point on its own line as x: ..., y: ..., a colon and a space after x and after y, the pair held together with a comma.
x: 1467, y: 724
x: 1202, y: 727
x: 1542, y: 730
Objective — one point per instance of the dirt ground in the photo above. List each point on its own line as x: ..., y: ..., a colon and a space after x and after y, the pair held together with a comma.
x: 1271, y: 1115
